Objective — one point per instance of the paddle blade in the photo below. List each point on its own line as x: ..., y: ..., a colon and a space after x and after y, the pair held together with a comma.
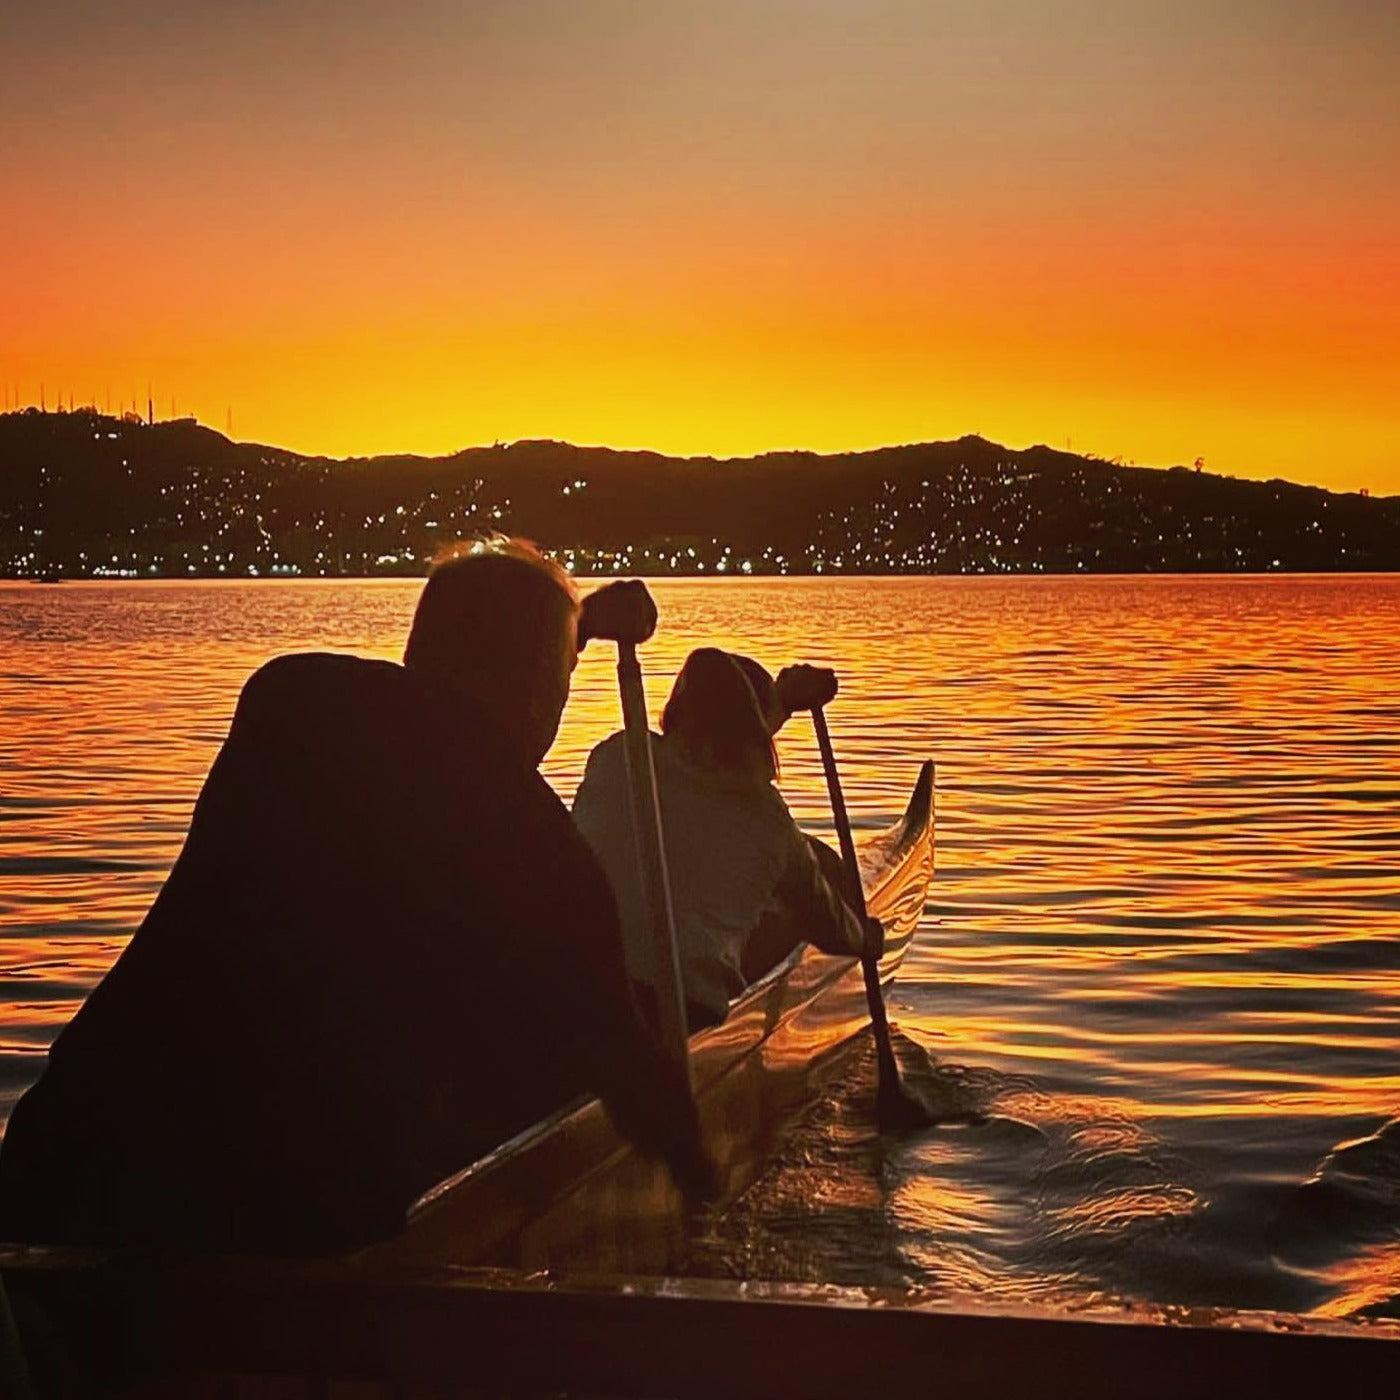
x: 902, y: 1109
x: 918, y: 1096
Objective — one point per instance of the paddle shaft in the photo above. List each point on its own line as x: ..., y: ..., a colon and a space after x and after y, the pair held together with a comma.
x: 889, y: 1069
x: 651, y: 855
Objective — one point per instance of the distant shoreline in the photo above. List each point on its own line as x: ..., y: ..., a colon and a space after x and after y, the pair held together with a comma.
x: 720, y: 579
x: 84, y: 495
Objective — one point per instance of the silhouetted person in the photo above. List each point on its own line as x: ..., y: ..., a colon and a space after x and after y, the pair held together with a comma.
x: 383, y: 950
x: 738, y: 862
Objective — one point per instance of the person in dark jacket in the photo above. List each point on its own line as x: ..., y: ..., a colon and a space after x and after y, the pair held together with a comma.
x: 384, y: 949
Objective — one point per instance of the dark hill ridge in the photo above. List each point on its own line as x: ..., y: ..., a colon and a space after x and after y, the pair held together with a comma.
x: 82, y: 494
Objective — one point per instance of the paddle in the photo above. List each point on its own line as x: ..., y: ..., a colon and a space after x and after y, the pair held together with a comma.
x: 895, y: 1106
x: 651, y: 854
x: 625, y: 613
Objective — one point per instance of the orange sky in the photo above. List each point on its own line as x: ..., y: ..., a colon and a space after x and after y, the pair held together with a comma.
x: 1157, y: 231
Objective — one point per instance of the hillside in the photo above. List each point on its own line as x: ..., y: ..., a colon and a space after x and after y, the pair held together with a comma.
x: 82, y: 494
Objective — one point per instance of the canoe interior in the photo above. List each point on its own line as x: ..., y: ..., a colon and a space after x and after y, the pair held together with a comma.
x: 570, y: 1194
x: 325, y: 1332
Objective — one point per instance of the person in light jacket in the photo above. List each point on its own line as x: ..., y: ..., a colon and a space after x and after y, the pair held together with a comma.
x: 743, y: 875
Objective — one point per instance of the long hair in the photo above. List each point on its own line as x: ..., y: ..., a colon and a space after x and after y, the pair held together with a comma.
x: 717, y: 720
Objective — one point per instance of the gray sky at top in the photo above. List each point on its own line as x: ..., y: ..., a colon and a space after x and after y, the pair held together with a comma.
x: 771, y: 100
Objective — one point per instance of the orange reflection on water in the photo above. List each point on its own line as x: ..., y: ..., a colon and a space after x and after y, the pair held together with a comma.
x: 1168, y: 887
x: 1361, y: 1281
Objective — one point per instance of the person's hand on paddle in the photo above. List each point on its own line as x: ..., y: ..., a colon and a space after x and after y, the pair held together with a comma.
x: 805, y: 687
x: 618, y: 612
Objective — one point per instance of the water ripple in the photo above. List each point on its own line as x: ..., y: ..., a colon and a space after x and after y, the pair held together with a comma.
x: 1161, y: 959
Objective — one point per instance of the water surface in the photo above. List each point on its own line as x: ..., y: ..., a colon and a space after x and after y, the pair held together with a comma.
x: 1162, y: 953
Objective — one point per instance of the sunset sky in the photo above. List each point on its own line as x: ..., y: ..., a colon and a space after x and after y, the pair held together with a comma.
x: 1152, y: 230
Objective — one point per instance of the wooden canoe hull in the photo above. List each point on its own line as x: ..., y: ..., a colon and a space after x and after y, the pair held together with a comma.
x: 571, y: 1194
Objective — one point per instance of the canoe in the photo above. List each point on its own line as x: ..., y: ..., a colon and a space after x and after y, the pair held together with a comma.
x: 569, y: 1193
x: 562, y: 1209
